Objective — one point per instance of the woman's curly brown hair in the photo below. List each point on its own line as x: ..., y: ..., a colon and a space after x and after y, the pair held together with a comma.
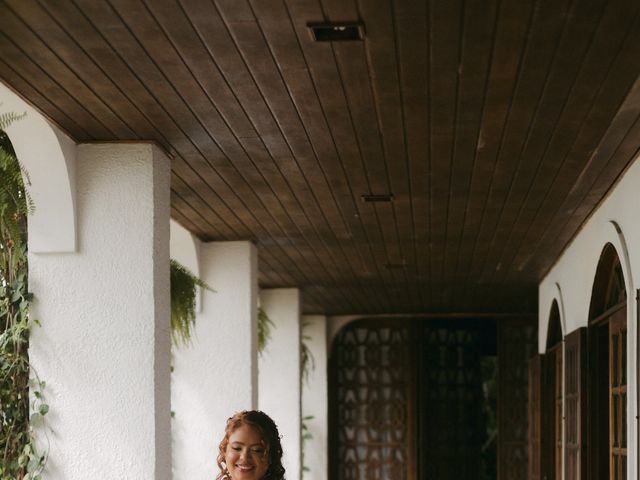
x: 270, y: 436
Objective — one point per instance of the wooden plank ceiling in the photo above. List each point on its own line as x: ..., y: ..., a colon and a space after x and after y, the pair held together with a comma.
x: 498, y: 126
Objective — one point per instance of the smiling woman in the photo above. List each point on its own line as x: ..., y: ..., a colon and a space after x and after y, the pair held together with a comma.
x: 250, y: 449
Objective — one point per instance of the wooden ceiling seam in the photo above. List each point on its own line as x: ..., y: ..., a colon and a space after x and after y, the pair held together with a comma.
x: 360, y: 210
x: 523, y: 145
x: 410, y: 34
x: 219, y: 221
x: 71, y: 74
x: 152, y: 95
x: 200, y: 121
x: 633, y: 27
x: 341, y: 71
x: 634, y: 127
x: 158, y: 135
x: 338, y: 154
x: 6, y: 72
x: 404, y: 256
x: 484, y: 69
x: 542, y: 200
x: 476, y: 154
x: 358, y: 141
x: 312, y: 82
x: 500, y: 128
x: 222, y: 116
x: 311, y: 144
x: 35, y: 65
x: 469, y: 289
x: 273, y: 114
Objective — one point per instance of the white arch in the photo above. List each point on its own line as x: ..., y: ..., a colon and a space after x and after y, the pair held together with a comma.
x: 49, y: 157
x: 625, y: 261
x: 560, y: 300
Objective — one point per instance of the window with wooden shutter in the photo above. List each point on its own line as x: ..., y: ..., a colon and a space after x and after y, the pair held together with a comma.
x: 607, y: 455
x: 575, y: 404
x: 535, y: 418
x: 618, y: 394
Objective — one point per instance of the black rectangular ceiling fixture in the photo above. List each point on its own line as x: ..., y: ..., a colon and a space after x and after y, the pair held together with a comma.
x: 336, y: 32
x: 377, y: 197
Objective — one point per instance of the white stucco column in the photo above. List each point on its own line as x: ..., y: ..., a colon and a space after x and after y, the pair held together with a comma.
x: 217, y: 375
x: 315, y: 398
x: 104, y: 345
x: 279, y: 377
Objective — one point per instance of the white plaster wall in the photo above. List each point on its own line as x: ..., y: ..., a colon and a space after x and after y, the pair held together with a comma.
x: 570, y: 281
x: 49, y: 156
x: 279, y: 372
x: 315, y: 399
x: 103, y: 348
x: 216, y: 375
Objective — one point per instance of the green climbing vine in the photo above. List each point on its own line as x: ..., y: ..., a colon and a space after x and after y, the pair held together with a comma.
x: 20, y: 413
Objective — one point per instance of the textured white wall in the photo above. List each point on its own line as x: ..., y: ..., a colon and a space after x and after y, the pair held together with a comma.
x: 315, y: 399
x: 279, y: 372
x: 103, y: 348
x: 570, y: 281
x: 216, y: 375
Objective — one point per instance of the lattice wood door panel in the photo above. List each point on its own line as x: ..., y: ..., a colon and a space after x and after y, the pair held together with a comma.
x: 374, y: 404
x: 517, y: 343
x: 450, y: 401
x: 370, y: 398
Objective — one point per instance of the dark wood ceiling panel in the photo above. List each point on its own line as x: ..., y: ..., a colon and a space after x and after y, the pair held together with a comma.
x: 497, y: 126
x: 100, y: 116
x: 445, y: 31
x: 410, y: 25
x: 478, y: 32
x: 512, y: 31
x: 545, y: 31
x: 581, y: 106
x: 611, y: 78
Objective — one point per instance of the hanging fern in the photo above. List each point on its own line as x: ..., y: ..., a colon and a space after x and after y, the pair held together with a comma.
x: 307, y: 362
x: 183, y: 302
x: 264, y: 329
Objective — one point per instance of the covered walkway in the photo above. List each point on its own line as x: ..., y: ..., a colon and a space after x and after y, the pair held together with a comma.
x: 437, y: 199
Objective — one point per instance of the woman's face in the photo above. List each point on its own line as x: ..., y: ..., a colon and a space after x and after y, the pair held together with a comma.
x: 246, y: 456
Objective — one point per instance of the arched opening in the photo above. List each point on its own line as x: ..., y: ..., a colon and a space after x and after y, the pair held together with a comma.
x: 607, y: 397
x: 414, y: 399
x: 554, y: 366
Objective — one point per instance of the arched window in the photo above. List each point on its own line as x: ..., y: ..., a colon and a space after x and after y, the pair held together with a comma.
x: 553, y: 390
x: 608, y: 375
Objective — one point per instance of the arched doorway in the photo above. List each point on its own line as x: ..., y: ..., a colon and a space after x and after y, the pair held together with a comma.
x: 414, y: 399
x: 607, y: 397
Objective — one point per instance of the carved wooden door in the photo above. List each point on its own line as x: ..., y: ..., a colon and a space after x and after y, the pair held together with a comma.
x: 406, y: 400
x: 450, y: 402
x: 370, y: 402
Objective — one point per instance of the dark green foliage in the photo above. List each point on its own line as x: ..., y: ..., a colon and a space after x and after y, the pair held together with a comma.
x: 183, y: 302
x: 264, y: 329
x: 307, y: 362
x: 19, y: 458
